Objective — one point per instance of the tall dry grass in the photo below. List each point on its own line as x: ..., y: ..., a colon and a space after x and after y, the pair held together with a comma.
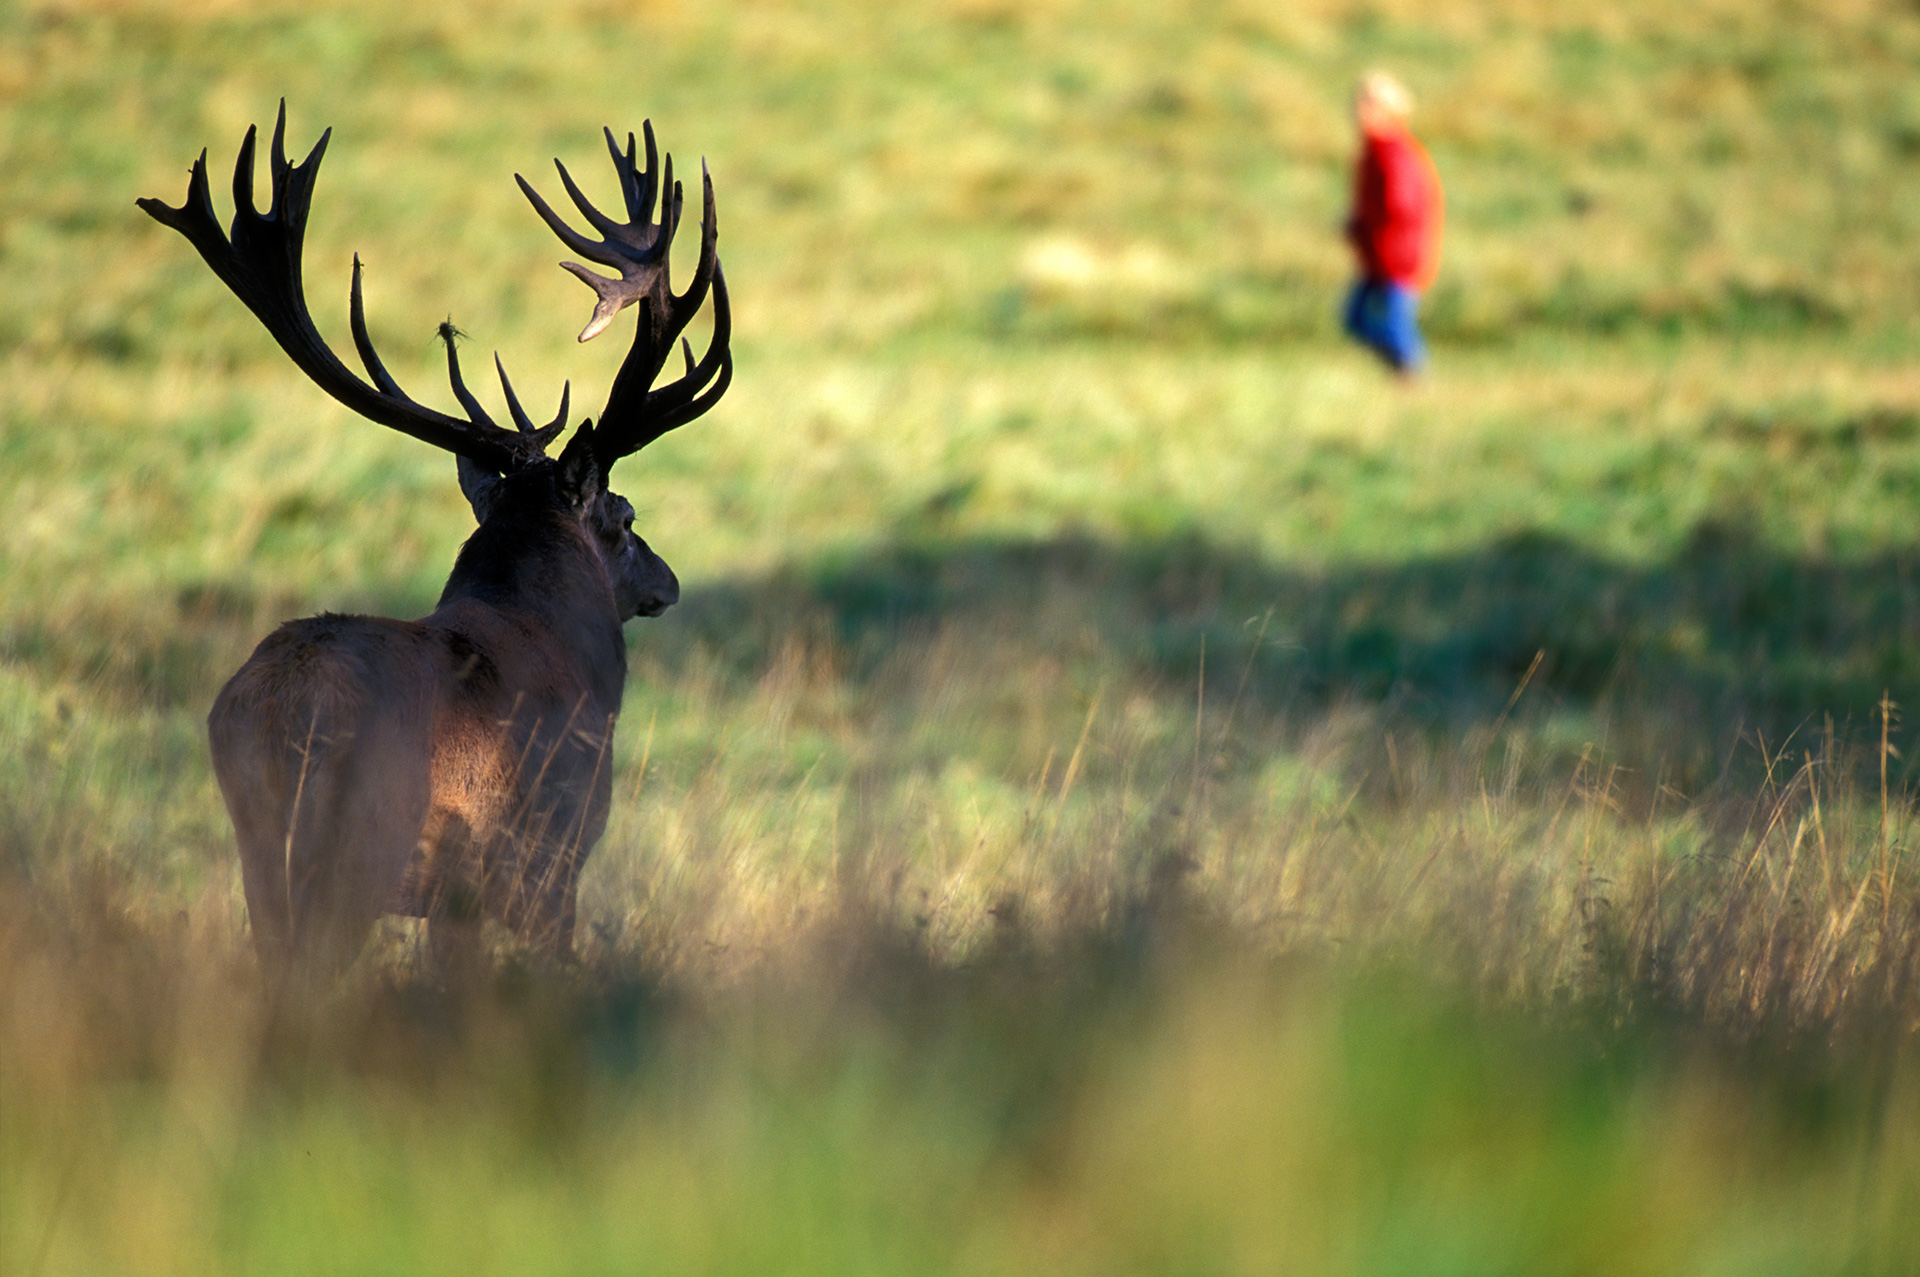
x: 1444, y: 993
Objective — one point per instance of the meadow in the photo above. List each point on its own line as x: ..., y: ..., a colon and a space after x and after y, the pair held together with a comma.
x: 1128, y: 788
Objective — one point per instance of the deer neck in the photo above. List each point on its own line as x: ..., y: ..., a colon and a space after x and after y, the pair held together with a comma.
x: 545, y: 574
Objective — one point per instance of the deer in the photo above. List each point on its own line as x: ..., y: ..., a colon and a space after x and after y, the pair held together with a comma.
x: 456, y: 768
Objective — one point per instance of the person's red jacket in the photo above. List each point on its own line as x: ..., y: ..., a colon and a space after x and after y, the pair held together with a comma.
x: 1397, y: 210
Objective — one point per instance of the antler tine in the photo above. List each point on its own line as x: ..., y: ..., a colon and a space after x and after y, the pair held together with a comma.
x: 613, y: 298
x: 635, y: 189
x: 277, y: 159
x: 293, y: 188
x: 524, y: 423
x: 259, y: 261
x: 694, y: 407
x: 650, y: 188
x: 699, y: 407
x: 623, y: 167
x: 571, y: 238
x: 357, y: 320
x: 197, y: 211
x: 243, y: 206
x: 674, y: 419
x: 671, y: 398
x: 669, y: 202
x: 607, y: 227
x: 447, y: 334
x: 688, y: 303
x: 521, y: 422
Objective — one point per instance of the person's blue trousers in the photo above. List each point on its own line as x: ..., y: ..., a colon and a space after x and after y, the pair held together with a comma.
x: 1383, y: 315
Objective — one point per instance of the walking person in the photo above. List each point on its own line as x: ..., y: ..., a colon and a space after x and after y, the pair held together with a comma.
x: 1394, y: 227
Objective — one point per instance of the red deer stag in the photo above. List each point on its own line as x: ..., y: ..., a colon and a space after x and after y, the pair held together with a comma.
x: 456, y: 767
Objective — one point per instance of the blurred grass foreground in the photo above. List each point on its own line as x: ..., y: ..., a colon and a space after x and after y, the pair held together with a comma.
x: 1127, y: 789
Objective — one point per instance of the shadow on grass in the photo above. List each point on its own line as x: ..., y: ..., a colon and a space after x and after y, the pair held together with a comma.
x: 1727, y: 641
x: 1672, y: 664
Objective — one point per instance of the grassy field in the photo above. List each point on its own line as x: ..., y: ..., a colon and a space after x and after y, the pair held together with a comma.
x: 1128, y: 788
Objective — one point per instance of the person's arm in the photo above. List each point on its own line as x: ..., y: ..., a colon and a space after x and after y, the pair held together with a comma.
x: 1363, y: 223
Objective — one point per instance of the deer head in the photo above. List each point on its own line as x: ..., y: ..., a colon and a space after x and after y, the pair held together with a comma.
x: 259, y: 259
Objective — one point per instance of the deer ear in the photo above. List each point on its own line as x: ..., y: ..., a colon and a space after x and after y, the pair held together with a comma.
x: 480, y: 486
x: 578, y: 470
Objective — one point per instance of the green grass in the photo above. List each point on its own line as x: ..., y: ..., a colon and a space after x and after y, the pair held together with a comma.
x: 1128, y: 788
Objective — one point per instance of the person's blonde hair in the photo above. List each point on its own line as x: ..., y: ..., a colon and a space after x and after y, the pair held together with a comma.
x: 1382, y: 91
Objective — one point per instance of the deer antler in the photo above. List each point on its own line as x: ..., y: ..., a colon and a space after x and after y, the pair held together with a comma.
x: 636, y: 414
x: 260, y: 261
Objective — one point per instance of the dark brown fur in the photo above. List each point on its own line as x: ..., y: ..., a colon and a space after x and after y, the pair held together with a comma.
x: 450, y: 768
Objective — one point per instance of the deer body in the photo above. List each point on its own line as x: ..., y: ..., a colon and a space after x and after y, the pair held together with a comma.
x: 451, y: 768
x: 459, y: 766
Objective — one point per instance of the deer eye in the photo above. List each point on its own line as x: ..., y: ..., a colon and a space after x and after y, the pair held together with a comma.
x: 627, y: 523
